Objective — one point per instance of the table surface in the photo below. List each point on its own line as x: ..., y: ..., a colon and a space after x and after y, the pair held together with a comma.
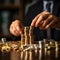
x: 38, y: 54
x: 32, y: 54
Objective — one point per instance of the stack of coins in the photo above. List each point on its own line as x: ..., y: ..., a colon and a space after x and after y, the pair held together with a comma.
x: 3, y: 40
x: 22, y: 40
x: 31, y: 40
x: 45, y: 43
x: 56, y: 44
x: 26, y: 34
x: 52, y: 42
x: 26, y: 30
x: 27, y: 38
x: 31, y: 30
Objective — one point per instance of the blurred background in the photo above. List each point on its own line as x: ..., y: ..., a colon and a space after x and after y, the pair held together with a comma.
x: 11, y: 10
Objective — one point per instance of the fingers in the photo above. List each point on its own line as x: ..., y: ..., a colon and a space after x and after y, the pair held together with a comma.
x: 14, y: 32
x: 38, y: 20
x: 44, y: 20
x: 34, y: 20
x: 50, y: 24
x: 47, y: 21
x: 16, y: 28
x: 19, y: 27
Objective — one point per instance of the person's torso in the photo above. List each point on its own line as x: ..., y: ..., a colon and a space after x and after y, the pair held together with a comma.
x: 36, y: 9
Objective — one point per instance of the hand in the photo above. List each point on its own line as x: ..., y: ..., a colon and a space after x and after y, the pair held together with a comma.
x: 45, y: 20
x: 16, y: 28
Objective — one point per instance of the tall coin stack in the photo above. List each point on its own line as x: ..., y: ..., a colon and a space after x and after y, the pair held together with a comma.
x: 22, y: 40
x: 26, y: 34
x: 31, y: 39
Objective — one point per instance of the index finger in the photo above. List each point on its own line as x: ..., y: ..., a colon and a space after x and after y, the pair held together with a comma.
x: 34, y: 20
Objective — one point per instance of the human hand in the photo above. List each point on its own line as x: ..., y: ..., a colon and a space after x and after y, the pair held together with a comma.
x: 16, y: 28
x: 45, y: 20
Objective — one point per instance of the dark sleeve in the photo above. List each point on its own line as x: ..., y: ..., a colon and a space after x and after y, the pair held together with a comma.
x: 57, y: 32
x: 28, y: 18
x: 32, y: 12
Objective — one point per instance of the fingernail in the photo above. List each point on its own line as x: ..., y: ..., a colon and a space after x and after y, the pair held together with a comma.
x: 20, y: 32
